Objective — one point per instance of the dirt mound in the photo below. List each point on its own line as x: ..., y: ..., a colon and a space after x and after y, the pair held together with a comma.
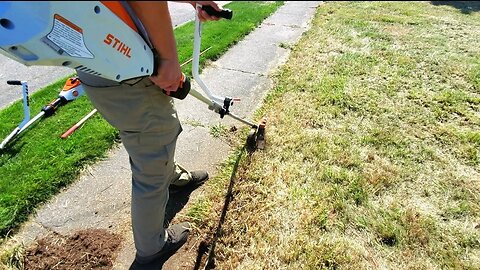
x: 85, y: 249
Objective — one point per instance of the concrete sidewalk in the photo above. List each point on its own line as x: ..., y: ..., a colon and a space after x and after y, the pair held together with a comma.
x: 101, y: 197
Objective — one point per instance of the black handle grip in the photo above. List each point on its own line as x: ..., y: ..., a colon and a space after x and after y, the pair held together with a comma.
x: 183, y: 89
x: 225, y: 13
x: 14, y: 82
x: 156, y: 62
x: 50, y: 108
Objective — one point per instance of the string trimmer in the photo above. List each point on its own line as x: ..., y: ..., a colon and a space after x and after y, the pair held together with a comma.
x: 221, y: 105
x: 56, y: 34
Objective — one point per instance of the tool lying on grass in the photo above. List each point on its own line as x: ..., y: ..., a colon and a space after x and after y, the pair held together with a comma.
x: 26, y: 112
x: 78, y: 124
x: 71, y: 91
x: 56, y: 34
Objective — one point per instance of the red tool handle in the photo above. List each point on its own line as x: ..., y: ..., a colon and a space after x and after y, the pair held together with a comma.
x: 69, y: 132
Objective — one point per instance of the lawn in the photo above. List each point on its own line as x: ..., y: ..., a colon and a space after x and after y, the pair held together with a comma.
x: 39, y: 163
x: 373, y: 153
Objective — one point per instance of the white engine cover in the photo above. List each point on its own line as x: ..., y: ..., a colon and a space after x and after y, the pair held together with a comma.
x: 83, y: 35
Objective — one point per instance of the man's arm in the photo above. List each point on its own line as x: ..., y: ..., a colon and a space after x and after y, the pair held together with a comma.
x: 155, y: 17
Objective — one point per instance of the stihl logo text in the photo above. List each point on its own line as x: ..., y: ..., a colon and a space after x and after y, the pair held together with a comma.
x: 117, y: 44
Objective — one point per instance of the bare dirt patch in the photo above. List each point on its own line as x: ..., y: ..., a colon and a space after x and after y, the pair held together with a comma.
x: 85, y: 249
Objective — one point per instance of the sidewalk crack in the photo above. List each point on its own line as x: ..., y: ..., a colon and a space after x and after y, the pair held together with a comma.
x: 294, y: 26
x: 49, y: 229
x: 243, y: 71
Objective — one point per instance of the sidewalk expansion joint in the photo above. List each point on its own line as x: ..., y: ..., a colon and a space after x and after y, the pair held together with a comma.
x: 49, y: 229
x: 294, y: 26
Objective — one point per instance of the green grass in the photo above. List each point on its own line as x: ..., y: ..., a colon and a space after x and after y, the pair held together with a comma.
x: 38, y: 164
x: 372, y: 160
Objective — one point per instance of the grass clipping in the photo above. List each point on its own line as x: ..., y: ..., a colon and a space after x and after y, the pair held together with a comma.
x: 373, y: 154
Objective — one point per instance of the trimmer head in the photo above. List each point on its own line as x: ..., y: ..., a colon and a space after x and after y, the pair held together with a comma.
x: 256, y: 136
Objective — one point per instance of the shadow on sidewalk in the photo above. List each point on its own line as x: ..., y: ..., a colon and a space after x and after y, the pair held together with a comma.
x: 176, y: 202
x: 466, y: 7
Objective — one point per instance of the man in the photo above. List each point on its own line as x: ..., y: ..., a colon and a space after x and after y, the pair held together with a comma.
x: 149, y: 126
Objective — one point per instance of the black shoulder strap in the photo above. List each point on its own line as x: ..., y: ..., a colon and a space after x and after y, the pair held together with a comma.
x: 138, y: 23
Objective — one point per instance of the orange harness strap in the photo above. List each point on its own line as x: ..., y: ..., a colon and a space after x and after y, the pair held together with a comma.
x: 117, y: 8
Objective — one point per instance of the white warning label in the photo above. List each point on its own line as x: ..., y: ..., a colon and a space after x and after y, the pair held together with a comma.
x: 68, y: 37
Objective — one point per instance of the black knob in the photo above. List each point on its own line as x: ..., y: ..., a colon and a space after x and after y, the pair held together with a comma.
x: 225, y: 13
x: 14, y: 82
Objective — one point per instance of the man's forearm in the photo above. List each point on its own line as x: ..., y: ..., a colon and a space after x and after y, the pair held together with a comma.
x: 156, y: 19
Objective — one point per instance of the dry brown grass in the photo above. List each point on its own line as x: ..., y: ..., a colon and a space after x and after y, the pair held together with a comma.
x: 373, y: 158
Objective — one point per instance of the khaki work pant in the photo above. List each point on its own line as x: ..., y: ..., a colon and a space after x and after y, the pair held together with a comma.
x: 149, y: 126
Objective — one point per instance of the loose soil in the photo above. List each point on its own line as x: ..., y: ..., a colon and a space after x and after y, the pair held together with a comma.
x: 85, y: 249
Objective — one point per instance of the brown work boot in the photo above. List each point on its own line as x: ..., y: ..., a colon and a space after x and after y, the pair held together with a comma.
x: 198, y: 178
x: 177, y: 236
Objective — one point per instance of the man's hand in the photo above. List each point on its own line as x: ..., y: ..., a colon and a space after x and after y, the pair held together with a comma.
x: 155, y: 17
x: 202, y: 14
x: 168, y: 76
